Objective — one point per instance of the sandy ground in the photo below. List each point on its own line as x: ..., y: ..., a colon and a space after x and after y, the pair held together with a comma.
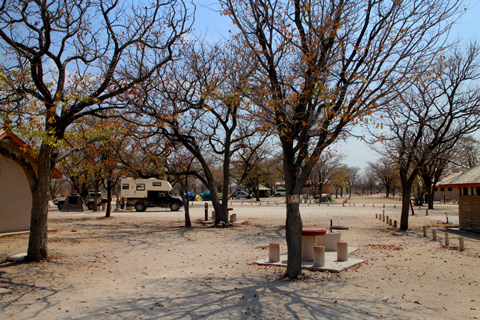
x: 148, y: 266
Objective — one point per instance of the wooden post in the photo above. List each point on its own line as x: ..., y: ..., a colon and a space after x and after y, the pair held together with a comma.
x: 424, y: 231
x: 395, y: 223
x: 206, y: 211
x: 447, y: 239
x: 434, y: 235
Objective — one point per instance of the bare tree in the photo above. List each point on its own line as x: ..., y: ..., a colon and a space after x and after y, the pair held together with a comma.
x: 68, y: 59
x: 431, y: 171
x: 385, y: 169
x: 467, y: 153
x: 322, y: 65
x: 427, y: 120
x: 351, y: 178
x: 323, y: 170
x: 198, y: 104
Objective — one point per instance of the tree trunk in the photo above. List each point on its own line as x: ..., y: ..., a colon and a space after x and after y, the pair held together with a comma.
x: 429, y: 191
x: 387, y: 191
x: 294, y: 240
x: 109, y: 198
x: 294, y: 220
x: 37, y: 243
x: 406, y: 192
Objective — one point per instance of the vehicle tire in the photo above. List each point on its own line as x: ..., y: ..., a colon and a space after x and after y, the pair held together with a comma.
x: 140, y: 206
x: 90, y: 206
x: 249, y: 197
x: 60, y: 206
x: 174, y: 206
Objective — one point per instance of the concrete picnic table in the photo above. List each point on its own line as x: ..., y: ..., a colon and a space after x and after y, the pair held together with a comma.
x: 308, y: 241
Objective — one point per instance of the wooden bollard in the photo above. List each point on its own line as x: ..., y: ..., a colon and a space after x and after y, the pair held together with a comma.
x: 434, y: 235
x: 206, y: 211
x: 424, y: 231
x: 426, y: 212
x: 461, y: 241
x: 388, y: 218
x: 390, y: 222
x: 233, y: 218
x: 376, y: 215
x: 318, y: 256
x: 395, y: 223
x: 342, y: 251
x: 274, y: 252
x: 384, y: 206
x: 383, y: 217
x: 394, y: 206
x: 447, y: 239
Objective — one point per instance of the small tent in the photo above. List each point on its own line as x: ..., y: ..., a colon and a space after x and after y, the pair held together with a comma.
x: 263, y: 191
x: 74, y: 202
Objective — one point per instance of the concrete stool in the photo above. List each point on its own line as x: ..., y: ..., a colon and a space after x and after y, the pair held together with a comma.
x: 308, y: 241
x: 331, y: 239
x: 273, y: 252
x: 342, y: 251
x: 318, y: 256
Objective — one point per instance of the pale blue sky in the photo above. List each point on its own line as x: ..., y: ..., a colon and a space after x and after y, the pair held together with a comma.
x: 213, y: 26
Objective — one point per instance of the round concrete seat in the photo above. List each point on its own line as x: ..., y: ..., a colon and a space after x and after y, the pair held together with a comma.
x: 313, y: 231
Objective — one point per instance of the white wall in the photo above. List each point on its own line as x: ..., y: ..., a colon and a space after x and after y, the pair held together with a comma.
x: 15, y: 198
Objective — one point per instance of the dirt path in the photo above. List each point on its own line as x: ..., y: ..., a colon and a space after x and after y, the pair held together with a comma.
x: 147, y: 266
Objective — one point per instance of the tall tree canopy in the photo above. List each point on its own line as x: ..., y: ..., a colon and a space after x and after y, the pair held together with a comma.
x: 67, y: 59
x: 321, y: 66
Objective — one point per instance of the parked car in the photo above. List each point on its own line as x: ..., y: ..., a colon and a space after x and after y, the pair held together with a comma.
x: 59, y: 202
x: 280, y: 192
x: 241, y: 195
x: 144, y: 193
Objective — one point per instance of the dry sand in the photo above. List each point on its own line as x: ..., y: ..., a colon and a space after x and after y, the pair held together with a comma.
x: 148, y: 266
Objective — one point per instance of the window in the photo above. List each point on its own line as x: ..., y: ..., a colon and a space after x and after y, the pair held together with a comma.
x: 140, y: 186
x: 125, y: 186
x: 449, y: 189
x: 442, y: 189
x: 436, y: 190
x: 157, y: 184
x: 465, y: 191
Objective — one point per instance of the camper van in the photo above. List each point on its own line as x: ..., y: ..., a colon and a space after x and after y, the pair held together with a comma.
x: 143, y: 193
